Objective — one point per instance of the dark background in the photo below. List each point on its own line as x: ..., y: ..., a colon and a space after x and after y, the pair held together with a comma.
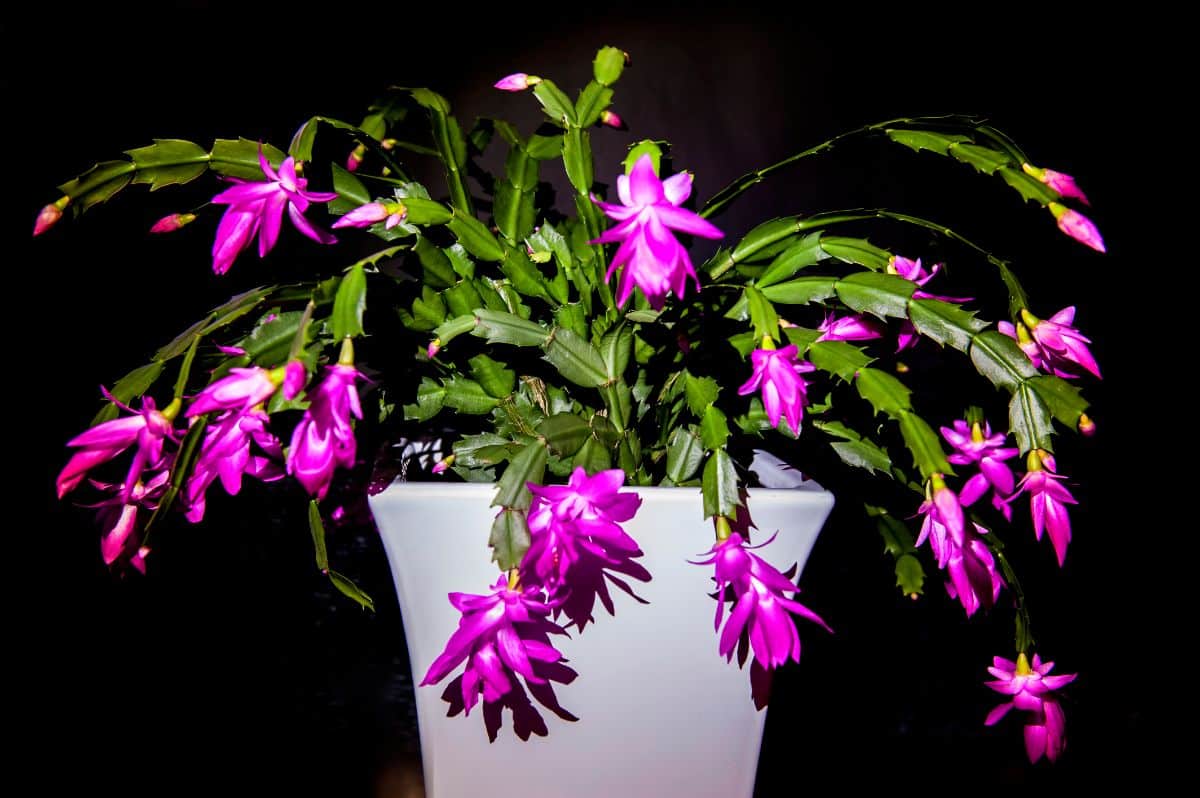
x: 234, y: 667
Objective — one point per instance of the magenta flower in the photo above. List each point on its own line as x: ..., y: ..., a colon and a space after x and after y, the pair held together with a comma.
x: 651, y: 257
x: 1077, y: 226
x: 944, y: 525
x: 1062, y: 349
x: 324, y: 438
x: 1032, y: 690
x: 974, y: 580
x: 912, y: 271
x: 172, y: 222
x: 241, y: 390
x: 1048, y: 500
x: 855, y: 327
x: 976, y: 444
x: 784, y: 391
x: 118, y: 517
x: 760, y: 608
x: 1020, y: 333
x: 257, y: 208
x: 1064, y: 184
x: 499, y: 636
x: 570, y: 522
x: 366, y: 215
x: 295, y: 376
x: 148, y: 429
x: 225, y: 453
x: 517, y: 81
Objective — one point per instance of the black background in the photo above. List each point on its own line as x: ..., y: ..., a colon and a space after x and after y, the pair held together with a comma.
x: 233, y: 667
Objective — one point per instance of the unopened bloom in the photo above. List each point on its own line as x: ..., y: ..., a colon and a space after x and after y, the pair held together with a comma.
x: 1048, y: 500
x: 295, y: 376
x: 49, y: 215
x: 257, y: 208
x: 1063, y: 183
x: 324, y: 438
x: 366, y: 215
x: 650, y: 256
x: 611, y: 119
x: 1077, y: 226
x: 172, y: 222
x: 355, y: 158
x: 855, y: 327
x: 517, y: 81
x: 148, y: 429
x: 784, y: 391
x: 974, y: 443
x: 1032, y: 690
x: 499, y: 636
x: 760, y: 607
x: 577, y: 521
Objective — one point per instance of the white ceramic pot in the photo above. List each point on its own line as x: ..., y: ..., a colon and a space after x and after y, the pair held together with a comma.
x: 660, y: 713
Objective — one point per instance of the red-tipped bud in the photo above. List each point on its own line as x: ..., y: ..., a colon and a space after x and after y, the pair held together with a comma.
x: 611, y: 119
x: 49, y: 215
x: 172, y: 222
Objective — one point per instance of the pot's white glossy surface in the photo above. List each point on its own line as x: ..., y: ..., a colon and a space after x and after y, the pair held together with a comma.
x: 660, y: 713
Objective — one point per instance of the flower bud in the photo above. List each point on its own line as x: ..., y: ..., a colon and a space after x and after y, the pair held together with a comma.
x: 1087, y: 427
x: 441, y: 465
x: 1077, y: 226
x: 49, y: 215
x: 612, y: 120
x: 1064, y: 184
x: 434, y: 347
x: 172, y: 222
x: 355, y: 158
x: 517, y: 81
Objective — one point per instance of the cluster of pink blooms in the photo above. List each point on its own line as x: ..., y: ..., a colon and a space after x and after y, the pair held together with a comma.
x: 236, y: 442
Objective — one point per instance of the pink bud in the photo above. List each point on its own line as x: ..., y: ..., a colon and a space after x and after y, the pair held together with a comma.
x: 434, y: 347
x: 294, y: 378
x: 172, y: 222
x: 138, y: 560
x: 441, y: 465
x: 355, y: 158
x: 1087, y: 427
x: 517, y: 81
x: 233, y: 351
x: 612, y: 120
x: 1077, y: 226
x: 1063, y: 183
x: 49, y: 215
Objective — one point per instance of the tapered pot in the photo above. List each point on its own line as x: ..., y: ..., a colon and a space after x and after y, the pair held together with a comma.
x: 659, y: 712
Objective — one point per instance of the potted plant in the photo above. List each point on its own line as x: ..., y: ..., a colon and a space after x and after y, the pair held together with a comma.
x: 586, y: 369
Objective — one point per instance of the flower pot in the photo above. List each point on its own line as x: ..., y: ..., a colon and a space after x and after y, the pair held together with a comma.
x: 659, y: 712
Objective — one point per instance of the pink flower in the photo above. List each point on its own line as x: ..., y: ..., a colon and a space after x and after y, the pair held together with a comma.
x: 118, y: 516
x: 579, y: 520
x: 517, y: 81
x: 324, y: 438
x: 257, y: 208
x: 295, y: 376
x: 372, y: 212
x: 1064, y: 184
x: 499, y: 636
x: 148, y: 429
x: 784, y: 391
x: 172, y: 222
x: 912, y: 271
x: 225, y: 453
x: 242, y: 389
x: 944, y: 525
x: 1048, y: 500
x: 760, y: 608
x: 849, y: 328
x: 1064, y: 350
x: 974, y: 580
x: 653, y: 259
x: 1032, y: 690
x: 976, y: 444
x: 1077, y: 226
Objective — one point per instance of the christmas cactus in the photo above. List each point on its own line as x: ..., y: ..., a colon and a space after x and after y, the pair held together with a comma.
x: 569, y: 349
